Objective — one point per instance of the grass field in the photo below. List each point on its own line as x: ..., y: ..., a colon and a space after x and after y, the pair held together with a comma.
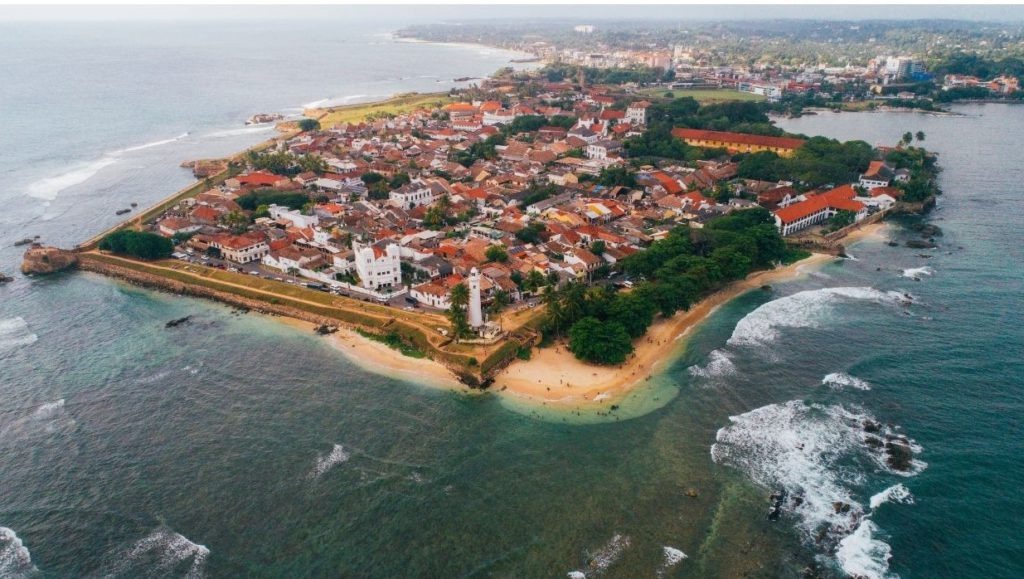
x: 395, y: 105
x: 704, y: 95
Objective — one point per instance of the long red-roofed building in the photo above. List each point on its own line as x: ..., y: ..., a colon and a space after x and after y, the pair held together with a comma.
x: 738, y: 142
x: 818, y: 208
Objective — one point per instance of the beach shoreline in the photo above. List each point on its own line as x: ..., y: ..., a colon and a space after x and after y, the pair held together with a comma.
x: 584, y: 385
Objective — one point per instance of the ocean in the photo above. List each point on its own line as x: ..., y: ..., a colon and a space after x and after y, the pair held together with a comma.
x: 240, y: 446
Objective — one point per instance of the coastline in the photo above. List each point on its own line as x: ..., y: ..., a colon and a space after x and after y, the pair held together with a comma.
x: 580, y: 384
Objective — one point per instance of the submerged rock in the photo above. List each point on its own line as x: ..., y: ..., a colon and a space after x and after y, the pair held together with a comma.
x: 177, y: 322
x: 900, y: 456
x: 43, y: 260
x: 5, y: 278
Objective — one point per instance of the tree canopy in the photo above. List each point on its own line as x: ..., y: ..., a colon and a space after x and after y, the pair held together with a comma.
x: 141, y: 244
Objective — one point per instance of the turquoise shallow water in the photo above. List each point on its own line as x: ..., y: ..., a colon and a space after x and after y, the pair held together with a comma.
x: 239, y: 446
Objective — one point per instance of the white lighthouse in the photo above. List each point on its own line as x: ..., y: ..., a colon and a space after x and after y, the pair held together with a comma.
x: 476, y: 317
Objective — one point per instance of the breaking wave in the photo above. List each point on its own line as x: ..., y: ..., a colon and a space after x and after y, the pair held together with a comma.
x: 719, y: 364
x: 330, y: 460
x: 154, y: 144
x: 15, y: 560
x: 815, y: 458
x: 162, y: 553
x: 243, y: 131
x: 804, y: 309
x: 672, y: 557
x: 47, y: 189
x: 14, y: 333
x: 599, y: 561
x: 894, y: 494
x: 860, y: 554
x: 840, y: 380
x: 917, y: 272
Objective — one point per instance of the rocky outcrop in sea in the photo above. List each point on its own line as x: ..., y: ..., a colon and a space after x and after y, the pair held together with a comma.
x: 40, y: 259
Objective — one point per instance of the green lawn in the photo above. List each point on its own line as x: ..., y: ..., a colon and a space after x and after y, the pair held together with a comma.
x: 704, y: 95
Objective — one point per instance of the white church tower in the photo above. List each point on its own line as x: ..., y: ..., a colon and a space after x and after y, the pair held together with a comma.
x: 476, y: 317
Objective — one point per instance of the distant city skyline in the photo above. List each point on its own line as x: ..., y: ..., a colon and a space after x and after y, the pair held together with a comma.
x: 585, y: 13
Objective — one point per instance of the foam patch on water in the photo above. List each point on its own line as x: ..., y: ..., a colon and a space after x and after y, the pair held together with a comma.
x: 841, y: 380
x: 15, y: 559
x: 671, y: 558
x: 15, y: 333
x: 894, y: 494
x: 719, y: 364
x: 862, y: 555
x: 329, y: 461
x: 154, y: 144
x: 162, y: 553
x: 806, y: 309
x: 814, y: 457
x: 49, y: 188
x: 599, y: 561
x: 47, y: 419
x: 918, y: 272
x: 241, y: 132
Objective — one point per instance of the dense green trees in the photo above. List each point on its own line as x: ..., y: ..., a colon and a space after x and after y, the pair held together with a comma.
x: 309, y: 125
x: 820, y: 161
x: 496, y: 253
x: 290, y: 199
x: 617, y: 175
x: 690, y: 263
x: 141, y: 244
x: 600, y: 342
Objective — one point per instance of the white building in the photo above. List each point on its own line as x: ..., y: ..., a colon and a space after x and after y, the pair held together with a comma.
x: 636, y: 113
x: 377, y: 265
x: 601, y: 149
x: 476, y: 316
x: 412, y: 195
x: 296, y: 218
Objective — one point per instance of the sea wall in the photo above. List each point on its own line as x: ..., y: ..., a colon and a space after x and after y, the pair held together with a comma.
x: 474, y: 377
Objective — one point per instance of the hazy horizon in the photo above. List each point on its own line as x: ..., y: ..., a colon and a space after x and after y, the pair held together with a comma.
x: 425, y: 13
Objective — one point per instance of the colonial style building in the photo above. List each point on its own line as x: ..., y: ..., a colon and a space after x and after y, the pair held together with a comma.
x: 378, y: 265
x: 818, y: 208
x: 738, y: 142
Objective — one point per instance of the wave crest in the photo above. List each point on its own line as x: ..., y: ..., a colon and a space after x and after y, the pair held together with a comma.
x: 804, y: 309
x: 840, y: 380
x: 328, y: 461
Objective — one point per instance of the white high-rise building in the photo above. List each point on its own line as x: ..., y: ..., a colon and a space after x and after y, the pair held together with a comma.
x: 476, y: 316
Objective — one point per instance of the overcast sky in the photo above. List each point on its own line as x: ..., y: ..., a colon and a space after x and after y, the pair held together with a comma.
x: 413, y: 14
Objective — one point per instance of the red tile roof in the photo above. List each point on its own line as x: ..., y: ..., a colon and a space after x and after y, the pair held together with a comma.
x: 841, y: 198
x: 737, y: 138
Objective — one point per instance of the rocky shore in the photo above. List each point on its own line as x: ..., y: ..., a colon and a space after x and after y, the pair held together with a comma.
x: 43, y: 260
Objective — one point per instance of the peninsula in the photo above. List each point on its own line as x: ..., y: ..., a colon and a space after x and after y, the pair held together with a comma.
x: 518, y: 232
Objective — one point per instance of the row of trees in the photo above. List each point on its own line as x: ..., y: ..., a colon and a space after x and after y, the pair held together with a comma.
x: 285, y: 163
x: 601, y: 324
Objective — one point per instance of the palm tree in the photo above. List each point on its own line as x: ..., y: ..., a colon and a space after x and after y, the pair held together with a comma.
x: 459, y: 298
x: 920, y: 136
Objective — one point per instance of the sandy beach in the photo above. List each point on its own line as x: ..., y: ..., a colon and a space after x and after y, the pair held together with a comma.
x: 553, y: 376
x: 378, y: 358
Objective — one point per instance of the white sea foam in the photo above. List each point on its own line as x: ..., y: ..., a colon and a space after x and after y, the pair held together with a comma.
x: 326, y: 462
x: 672, y: 557
x: 15, y: 559
x: 894, y: 494
x: 161, y: 553
x: 862, y: 555
x: 154, y: 144
x: 840, y: 380
x: 46, y: 419
x: 917, y: 272
x: 47, y: 189
x: 242, y: 131
x: 806, y: 309
x: 14, y: 333
x: 599, y: 561
x: 719, y: 364
x: 818, y: 454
